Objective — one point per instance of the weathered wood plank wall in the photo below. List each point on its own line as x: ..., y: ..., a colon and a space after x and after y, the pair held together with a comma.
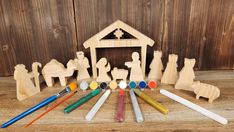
x: 36, y: 30
x: 40, y: 30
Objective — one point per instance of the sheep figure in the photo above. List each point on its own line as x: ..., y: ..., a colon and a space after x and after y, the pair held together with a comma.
x: 119, y: 74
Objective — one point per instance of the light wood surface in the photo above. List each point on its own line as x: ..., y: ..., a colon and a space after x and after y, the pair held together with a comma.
x: 179, y: 118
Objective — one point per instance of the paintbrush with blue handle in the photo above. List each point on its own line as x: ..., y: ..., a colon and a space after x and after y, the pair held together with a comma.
x: 68, y: 89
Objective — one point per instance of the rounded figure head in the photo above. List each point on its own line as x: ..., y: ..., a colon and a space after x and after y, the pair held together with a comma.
x: 189, y: 62
x: 135, y: 56
x: 80, y: 55
x: 71, y: 65
x: 20, y: 68
x: 158, y: 54
x: 101, y: 62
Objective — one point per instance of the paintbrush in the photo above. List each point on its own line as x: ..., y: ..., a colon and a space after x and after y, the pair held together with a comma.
x: 51, y: 108
x: 52, y: 98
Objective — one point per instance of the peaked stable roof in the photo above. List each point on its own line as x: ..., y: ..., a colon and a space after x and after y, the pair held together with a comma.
x: 140, y: 38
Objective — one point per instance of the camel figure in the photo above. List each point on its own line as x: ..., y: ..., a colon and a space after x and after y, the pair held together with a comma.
x: 56, y: 69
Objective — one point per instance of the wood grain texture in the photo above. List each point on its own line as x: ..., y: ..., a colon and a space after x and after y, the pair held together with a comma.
x: 40, y: 30
x: 37, y: 31
x: 183, y: 27
x: 7, y: 55
x: 180, y: 118
x: 219, y: 45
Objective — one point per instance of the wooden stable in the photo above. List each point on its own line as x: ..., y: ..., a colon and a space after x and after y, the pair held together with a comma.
x: 98, y: 41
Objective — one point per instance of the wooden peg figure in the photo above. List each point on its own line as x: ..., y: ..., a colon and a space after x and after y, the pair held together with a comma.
x: 135, y: 65
x: 56, y: 69
x: 186, y: 75
x: 82, y: 63
x: 170, y: 74
x: 24, y: 84
x: 103, y: 68
x: 156, y: 67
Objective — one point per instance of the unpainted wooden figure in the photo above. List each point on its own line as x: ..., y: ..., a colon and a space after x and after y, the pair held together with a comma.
x: 119, y: 30
x: 186, y: 75
x: 24, y: 81
x: 170, y: 74
x: 206, y: 90
x: 121, y: 74
x: 135, y: 65
x: 56, y: 69
x: 103, y: 69
x: 156, y: 67
x: 82, y: 64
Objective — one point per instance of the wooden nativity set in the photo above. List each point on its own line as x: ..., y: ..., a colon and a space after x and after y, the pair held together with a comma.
x: 184, y: 80
x: 102, y: 69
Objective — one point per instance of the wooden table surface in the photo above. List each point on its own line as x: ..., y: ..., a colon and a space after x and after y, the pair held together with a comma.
x: 180, y: 118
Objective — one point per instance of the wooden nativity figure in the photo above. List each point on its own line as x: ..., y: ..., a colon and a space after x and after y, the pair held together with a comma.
x: 103, y: 69
x: 170, y: 74
x: 135, y: 65
x: 25, y: 87
x: 82, y: 64
x: 156, y: 67
x: 186, y: 75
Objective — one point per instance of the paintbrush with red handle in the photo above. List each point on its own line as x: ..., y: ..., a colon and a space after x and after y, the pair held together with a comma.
x: 51, y: 108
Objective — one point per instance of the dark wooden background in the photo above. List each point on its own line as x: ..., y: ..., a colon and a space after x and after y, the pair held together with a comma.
x: 39, y: 30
